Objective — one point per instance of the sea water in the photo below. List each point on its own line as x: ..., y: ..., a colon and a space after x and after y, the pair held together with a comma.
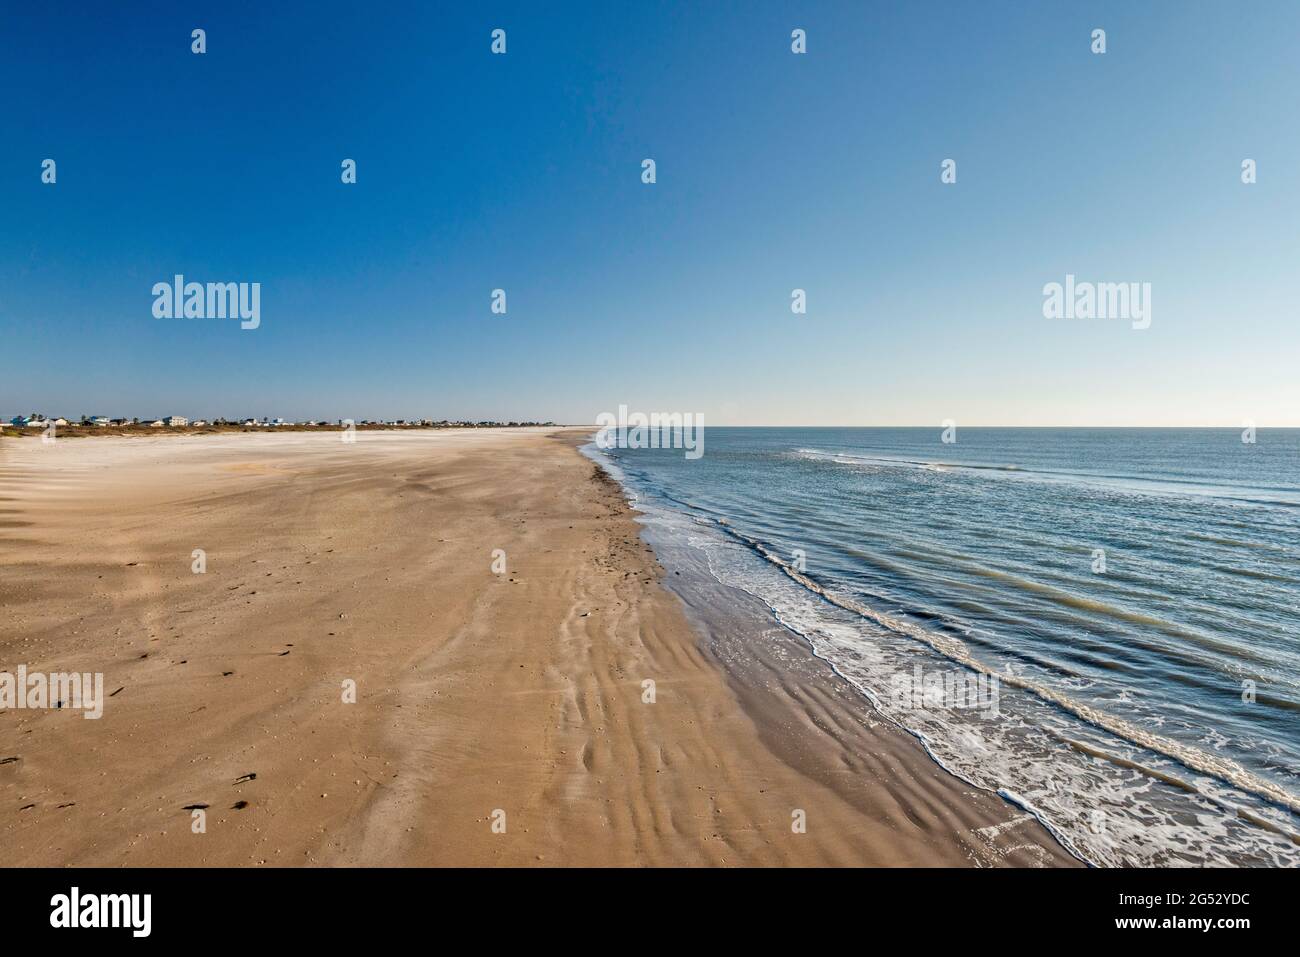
x: 1135, y: 592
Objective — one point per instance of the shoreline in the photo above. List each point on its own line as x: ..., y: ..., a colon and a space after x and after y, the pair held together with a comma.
x: 477, y: 692
x: 817, y: 722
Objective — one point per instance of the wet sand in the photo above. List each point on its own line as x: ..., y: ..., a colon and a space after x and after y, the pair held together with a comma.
x: 500, y: 718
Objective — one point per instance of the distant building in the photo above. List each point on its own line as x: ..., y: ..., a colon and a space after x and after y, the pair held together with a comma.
x: 157, y: 423
x: 177, y: 421
x: 198, y: 423
x: 99, y: 420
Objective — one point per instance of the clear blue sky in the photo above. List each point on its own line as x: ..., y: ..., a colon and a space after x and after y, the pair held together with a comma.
x: 775, y: 171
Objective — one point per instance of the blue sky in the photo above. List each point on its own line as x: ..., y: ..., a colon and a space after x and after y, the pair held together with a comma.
x: 775, y: 171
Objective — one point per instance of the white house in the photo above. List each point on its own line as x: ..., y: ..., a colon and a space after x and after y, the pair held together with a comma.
x: 176, y: 421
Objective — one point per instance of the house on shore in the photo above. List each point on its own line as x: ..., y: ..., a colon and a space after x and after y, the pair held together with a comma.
x: 177, y: 421
x: 34, y: 421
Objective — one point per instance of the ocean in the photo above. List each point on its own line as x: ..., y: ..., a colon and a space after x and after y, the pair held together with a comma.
x: 1101, y: 625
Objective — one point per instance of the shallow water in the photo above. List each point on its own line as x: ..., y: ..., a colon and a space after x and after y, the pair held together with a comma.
x: 1135, y: 592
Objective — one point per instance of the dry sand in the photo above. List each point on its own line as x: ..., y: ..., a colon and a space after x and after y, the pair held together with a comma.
x: 476, y: 691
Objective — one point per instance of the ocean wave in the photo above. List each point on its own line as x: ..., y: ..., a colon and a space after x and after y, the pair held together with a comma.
x: 1139, y: 484
x: 954, y: 649
x: 1067, y: 761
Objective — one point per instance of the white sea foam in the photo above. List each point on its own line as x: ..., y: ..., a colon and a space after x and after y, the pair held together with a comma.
x: 1112, y: 792
x: 1136, y: 484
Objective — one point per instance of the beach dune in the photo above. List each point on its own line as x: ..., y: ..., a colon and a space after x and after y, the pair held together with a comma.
x: 426, y: 648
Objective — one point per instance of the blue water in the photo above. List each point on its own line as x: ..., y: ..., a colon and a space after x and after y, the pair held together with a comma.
x: 1149, y: 708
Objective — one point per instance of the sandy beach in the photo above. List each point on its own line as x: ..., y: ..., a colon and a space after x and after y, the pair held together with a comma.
x: 500, y: 717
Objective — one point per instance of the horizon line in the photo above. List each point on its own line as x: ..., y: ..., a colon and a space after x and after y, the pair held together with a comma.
x: 6, y: 420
